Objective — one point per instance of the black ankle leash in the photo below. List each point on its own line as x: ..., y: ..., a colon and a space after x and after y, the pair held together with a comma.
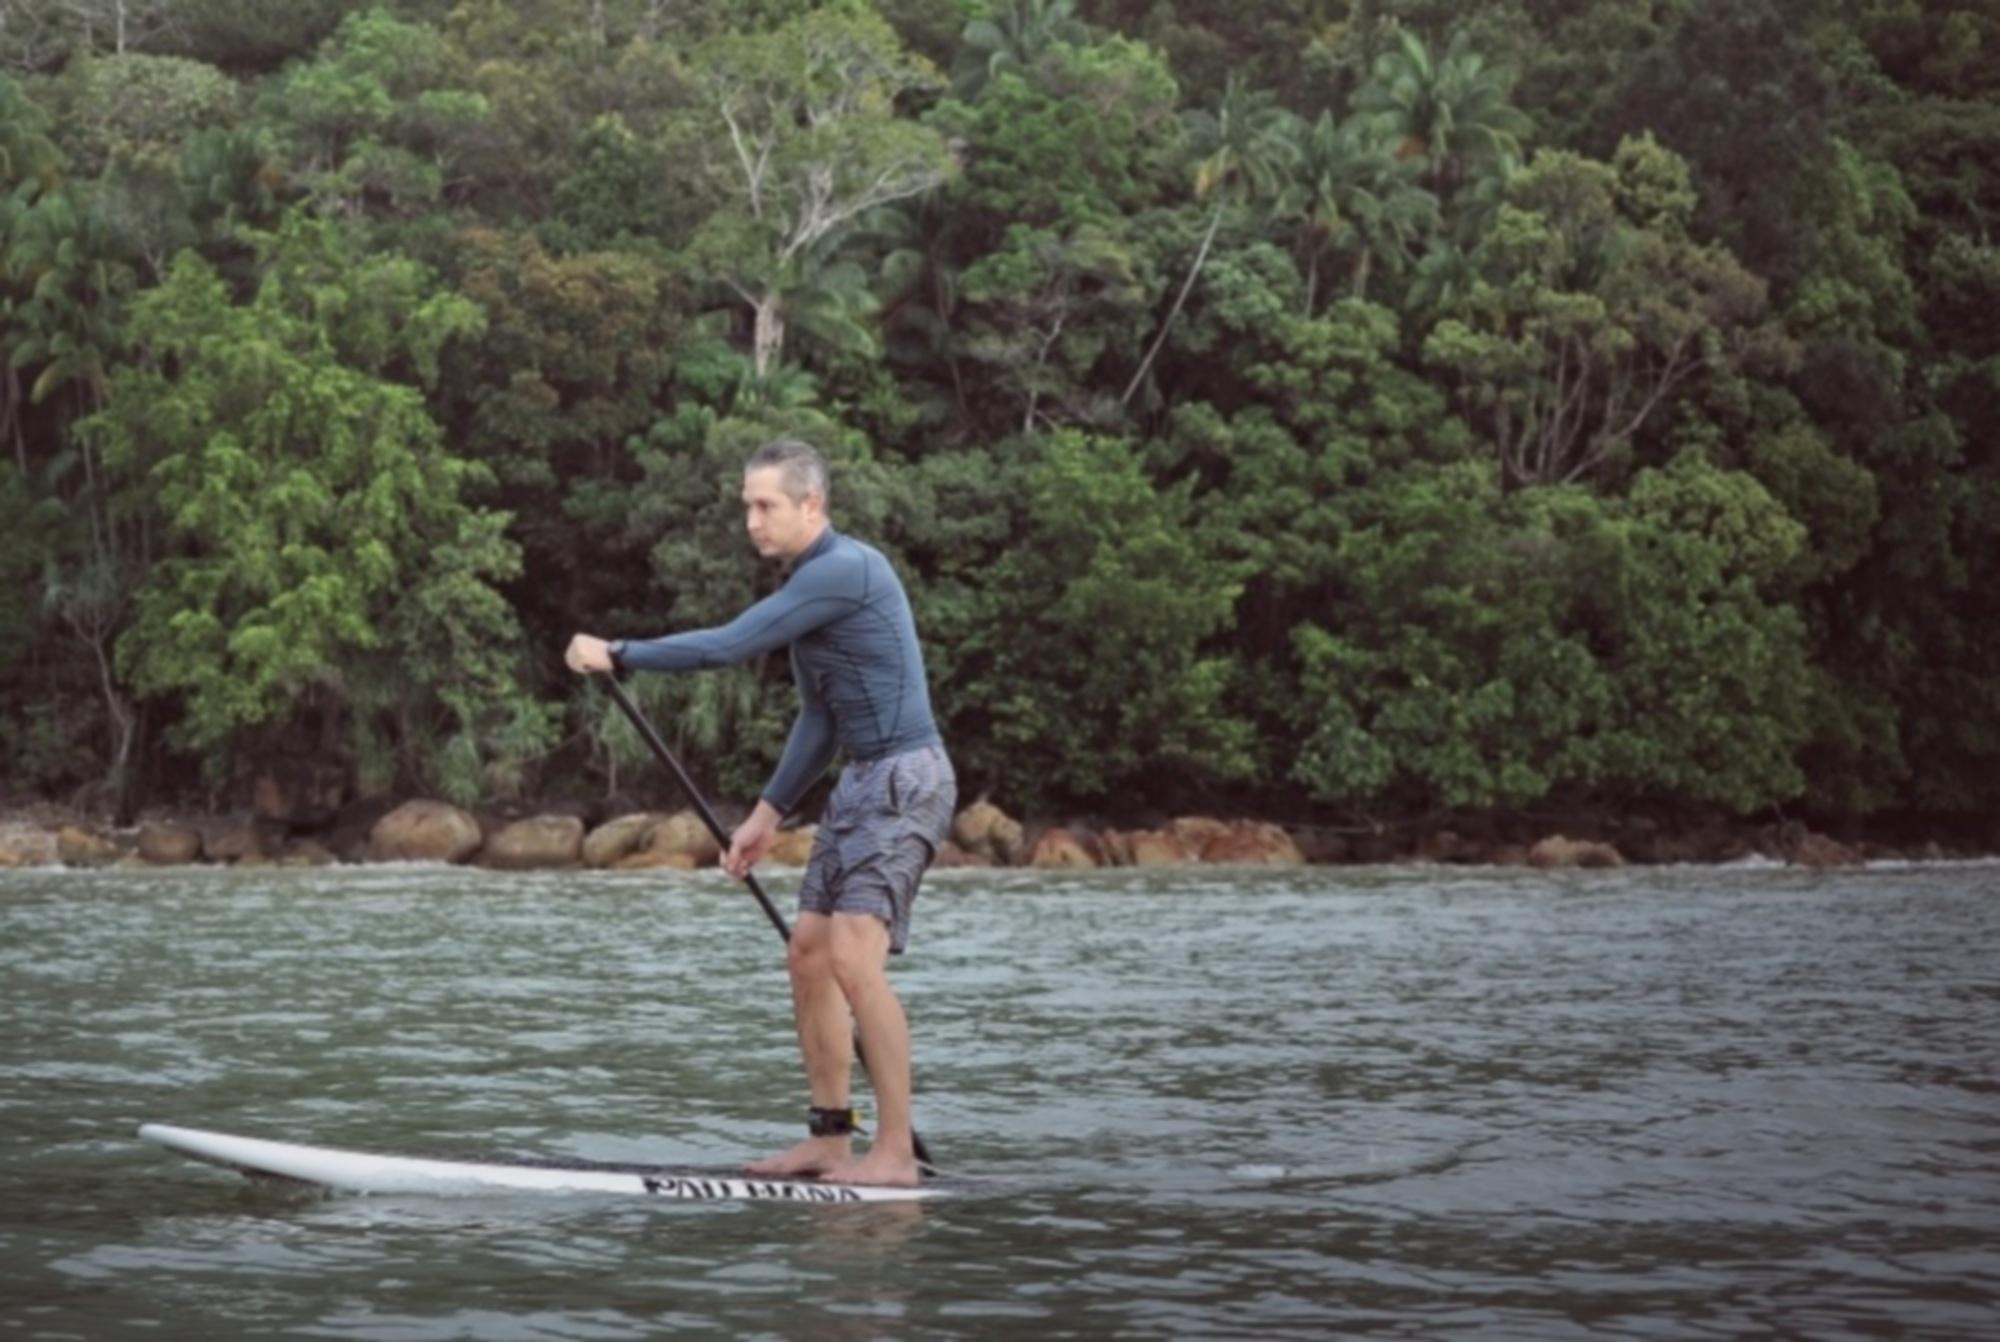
x: 832, y: 1122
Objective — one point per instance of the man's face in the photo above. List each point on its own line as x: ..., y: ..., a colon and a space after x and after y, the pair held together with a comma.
x: 779, y: 527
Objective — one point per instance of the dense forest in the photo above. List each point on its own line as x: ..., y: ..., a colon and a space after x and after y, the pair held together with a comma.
x: 1352, y: 408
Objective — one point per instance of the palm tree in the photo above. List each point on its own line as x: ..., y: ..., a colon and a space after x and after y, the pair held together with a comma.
x: 1359, y: 200
x: 1450, y: 110
x: 1014, y: 33
x: 1243, y: 150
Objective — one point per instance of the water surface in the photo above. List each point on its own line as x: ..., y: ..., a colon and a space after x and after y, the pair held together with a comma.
x: 1417, y: 1103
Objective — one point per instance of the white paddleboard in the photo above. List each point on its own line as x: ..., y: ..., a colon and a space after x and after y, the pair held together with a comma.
x: 369, y: 1172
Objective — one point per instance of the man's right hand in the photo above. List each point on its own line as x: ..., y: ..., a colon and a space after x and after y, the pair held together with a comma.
x: 588, y: 656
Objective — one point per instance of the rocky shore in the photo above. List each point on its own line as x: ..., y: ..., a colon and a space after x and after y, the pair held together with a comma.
x: 982, y: 835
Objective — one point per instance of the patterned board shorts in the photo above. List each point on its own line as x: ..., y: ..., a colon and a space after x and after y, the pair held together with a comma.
x: 882, y: 827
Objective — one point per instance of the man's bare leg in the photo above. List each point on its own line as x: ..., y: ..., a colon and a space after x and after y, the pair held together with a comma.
x: 825, y: 1041
x: 860, y: 953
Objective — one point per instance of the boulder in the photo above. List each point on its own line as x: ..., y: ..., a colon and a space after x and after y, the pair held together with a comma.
x: 792, y: 847
x: 1819, y: 853
x: 232, y: 841
x: 538, y: 843
x: 169, y: 845
x: 1195, y: 831
x: 308, y: 853
x: 424, y: 831
x: 985, y: 831
x: 1508, y: 855
x: 951, y: 855
x: 1114, y: 847
x: 78, y: 847
x: 683, y: 832
x: 1556, y: 851
x: 27, y: 845
x: 1058, y: 848
x: 615, y: 839
x: 1156, y: 848
x: 1253, y: 843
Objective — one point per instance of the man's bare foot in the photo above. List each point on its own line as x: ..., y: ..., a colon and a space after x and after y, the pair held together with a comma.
x: 895, y: 1169
x: 814, y: 1155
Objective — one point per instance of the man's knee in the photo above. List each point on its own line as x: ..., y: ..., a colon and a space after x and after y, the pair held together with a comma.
x: 810, y: 954
x: 857, y: 947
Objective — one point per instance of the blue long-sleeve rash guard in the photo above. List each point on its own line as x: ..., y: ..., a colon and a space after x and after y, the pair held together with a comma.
x: 855, y: 659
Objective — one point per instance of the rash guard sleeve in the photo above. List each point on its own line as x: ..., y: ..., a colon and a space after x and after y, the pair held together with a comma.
x: 808, y: 750
x: 818, y: 594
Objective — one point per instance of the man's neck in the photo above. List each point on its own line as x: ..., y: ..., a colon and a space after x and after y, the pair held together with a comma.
x: 812, y: 543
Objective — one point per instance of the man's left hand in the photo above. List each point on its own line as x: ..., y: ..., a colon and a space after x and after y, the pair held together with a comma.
x: 752, y: 839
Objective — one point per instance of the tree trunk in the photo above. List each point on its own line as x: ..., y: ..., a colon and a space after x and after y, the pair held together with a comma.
x: 1200, y: 258
x: 768, y: 339
x: 1362, y: 265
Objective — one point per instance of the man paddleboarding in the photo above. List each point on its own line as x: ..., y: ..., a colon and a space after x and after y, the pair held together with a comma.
x: 860, y: 676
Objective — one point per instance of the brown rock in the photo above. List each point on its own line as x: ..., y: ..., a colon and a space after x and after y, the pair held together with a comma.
x: 951, y: 855
x: 683, y: 832
x: 27, y: 845
x: 80, y: 848
x: 1819, y: 853
x: 792, y: 847
x: 1195, y: 831
x: 1057, y: 848
x: 1157, y: 848
x: 647, y: 859
x: 1253, y: 843
x: 169, y: 845
x: 232, y: 841
x: 616, y: 839
x: 424, y: 831
x: 1557, y: 851
x: 538, y: 843
x: 985, y: 831
x: 309, y: 853
x: 1114, y: 847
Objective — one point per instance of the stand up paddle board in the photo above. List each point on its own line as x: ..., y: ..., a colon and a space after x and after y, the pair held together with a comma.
x: 369, y: 1172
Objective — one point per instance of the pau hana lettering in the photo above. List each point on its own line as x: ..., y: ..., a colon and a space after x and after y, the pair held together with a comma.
x: 667, y: 1186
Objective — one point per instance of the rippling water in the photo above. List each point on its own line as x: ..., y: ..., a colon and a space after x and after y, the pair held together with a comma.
x: 1418, y: 1103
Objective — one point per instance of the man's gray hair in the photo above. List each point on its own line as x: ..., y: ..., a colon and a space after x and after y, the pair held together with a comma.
x: 802, y: 470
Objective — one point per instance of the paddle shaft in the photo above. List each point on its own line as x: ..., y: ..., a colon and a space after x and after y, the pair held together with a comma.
x: 666, y: 757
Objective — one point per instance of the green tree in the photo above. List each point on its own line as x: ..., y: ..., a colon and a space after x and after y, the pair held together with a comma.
x: 806, y: 123
x: 1588, y: 320
x: 1011, y: 35
x: 1107, y: 558
x: 319, y: 562
x: 1359, y: 202
x: 1241, y: 152
x: 1449, y: 109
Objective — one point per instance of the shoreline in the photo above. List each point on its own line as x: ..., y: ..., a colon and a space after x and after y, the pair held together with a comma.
x: 43, y: 834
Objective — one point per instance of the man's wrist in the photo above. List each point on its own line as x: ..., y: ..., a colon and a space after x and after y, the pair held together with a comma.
x: 614, y: 652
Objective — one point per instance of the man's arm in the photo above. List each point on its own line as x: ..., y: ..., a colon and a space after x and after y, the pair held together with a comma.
x: 808, y: 750
x: 819, y: 592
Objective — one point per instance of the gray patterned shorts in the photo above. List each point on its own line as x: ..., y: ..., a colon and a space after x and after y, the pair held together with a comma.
x: 882, y: 827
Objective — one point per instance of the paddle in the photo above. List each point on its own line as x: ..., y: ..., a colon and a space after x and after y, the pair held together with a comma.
x: 666, y: 757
